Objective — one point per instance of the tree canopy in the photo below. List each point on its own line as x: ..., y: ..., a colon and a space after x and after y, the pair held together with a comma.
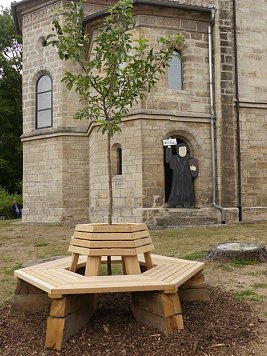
x: 10, y: 105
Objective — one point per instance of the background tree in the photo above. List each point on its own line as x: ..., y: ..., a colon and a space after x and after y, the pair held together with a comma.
x: 10, y: 105
x: 118, y: 71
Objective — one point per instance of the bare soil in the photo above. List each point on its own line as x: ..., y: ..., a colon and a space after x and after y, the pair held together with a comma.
x: 223, y: 326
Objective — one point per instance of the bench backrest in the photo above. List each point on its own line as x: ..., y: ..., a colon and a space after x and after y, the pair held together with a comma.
x: 127, y: 240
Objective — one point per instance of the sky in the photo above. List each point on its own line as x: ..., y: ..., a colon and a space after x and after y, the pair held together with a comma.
x: 6, y: 3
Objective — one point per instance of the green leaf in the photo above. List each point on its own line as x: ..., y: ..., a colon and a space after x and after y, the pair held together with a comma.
x: 118, y: 71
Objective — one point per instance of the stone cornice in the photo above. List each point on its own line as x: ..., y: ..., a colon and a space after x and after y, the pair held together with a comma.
x: 50, y: 132
x: 166, y: 115
x: 28, y: 11
x: 253, y: 104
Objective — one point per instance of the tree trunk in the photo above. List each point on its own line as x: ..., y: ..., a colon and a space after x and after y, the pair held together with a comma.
x: 110, y: 192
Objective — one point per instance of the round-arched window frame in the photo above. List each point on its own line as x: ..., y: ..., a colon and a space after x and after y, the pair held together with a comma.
x: 116, y: 160
x: 175, y: 71
x: 44, y: 102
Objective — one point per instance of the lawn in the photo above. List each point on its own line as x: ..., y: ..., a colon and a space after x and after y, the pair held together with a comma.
x: 20, y: 243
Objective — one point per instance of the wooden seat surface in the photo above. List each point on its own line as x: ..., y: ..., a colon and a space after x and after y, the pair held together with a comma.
x: 55, y: 278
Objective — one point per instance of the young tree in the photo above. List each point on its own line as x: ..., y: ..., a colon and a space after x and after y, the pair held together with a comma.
x: 119, y: 70
x: 10, y: 105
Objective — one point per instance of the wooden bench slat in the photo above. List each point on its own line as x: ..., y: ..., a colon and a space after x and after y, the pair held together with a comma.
x: 143, y: 241
x: 185, y: 276
x: 171, y: 260
x: 80, y: 250
x: 66, y: 275
x: 161, y: 271
x: 102, y: 244
x: 176, y: 274
x: 47, y: 287
x: 111, y: 243
x: 63, y: 262
x: 95, y: 285
x: 115, y: 227
x: 113, y: 252
x: 107, y: 236
x: 143, y: 249
x: 108, y: 252
x: 47, y: 277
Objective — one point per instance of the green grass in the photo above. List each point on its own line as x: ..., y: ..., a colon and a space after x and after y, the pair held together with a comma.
x: 199, y: 255
x: 260, y: 285
x: 41, y: 244
x: 241, y: 263
x: 20, y: 243
x: 225, y: 266
x: 116, y: 269
x: 231, y: 265
x: 9, y: 271
x: 249, y: 294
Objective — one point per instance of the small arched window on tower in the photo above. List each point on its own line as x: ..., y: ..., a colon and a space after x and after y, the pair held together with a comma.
x: 175, y: 71
x: 116, y: 160
x: 44, y: 102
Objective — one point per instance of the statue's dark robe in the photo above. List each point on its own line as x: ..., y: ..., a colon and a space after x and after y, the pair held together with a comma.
x: 182, y: 185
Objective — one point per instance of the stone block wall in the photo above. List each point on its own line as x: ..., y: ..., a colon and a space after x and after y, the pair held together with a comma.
x: 127, y: 188
x: 55, y: 179
x: 252, y: 58
x: 65, y: 166
x: 224, y: 101
x: 254, y: 156
x: 194, y: 98
x: 252, y: 49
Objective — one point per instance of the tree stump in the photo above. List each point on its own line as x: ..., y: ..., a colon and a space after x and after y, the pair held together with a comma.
x: 237, y: 251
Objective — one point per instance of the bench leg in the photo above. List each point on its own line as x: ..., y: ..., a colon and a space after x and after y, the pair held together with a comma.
x: 74, y: 262
x: 131, y: 265
x: 159, y: 310
x: 92, y: 267
x: 68, y: 315
x: 195, y: 289
x: 29, y: 299
x: 148, y: 259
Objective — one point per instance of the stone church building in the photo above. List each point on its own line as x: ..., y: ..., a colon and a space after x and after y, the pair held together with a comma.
x: 214, y: 101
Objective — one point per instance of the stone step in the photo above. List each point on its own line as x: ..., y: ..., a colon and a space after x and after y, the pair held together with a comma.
x: 186, y: 217
x: 177, y: 220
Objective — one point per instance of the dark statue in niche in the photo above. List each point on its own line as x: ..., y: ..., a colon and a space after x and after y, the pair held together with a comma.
x: 184, y: 170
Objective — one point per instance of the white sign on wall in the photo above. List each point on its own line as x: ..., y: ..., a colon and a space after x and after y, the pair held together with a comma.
x: 170, y: 142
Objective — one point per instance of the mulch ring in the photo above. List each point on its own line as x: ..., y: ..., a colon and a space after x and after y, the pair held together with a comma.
x: 223, y: 326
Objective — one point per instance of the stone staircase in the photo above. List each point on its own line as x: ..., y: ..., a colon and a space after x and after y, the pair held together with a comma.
x: 182, y: 217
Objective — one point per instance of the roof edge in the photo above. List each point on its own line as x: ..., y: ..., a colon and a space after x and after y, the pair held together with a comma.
x: 103, y: 13
x: 160, y: 3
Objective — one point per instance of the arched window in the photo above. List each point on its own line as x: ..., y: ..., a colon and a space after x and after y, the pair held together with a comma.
x: 175, y: 79
x: 44, y: 102
x: 116, y: 160
x: 119, y: 161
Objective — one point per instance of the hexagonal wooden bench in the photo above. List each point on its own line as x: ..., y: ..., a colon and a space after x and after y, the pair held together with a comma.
x: 155, y: 293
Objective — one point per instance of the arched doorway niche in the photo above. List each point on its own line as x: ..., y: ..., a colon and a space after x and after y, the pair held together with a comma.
x: 191, y: 144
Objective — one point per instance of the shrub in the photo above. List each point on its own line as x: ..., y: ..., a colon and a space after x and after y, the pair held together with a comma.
x: 6, y: 201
